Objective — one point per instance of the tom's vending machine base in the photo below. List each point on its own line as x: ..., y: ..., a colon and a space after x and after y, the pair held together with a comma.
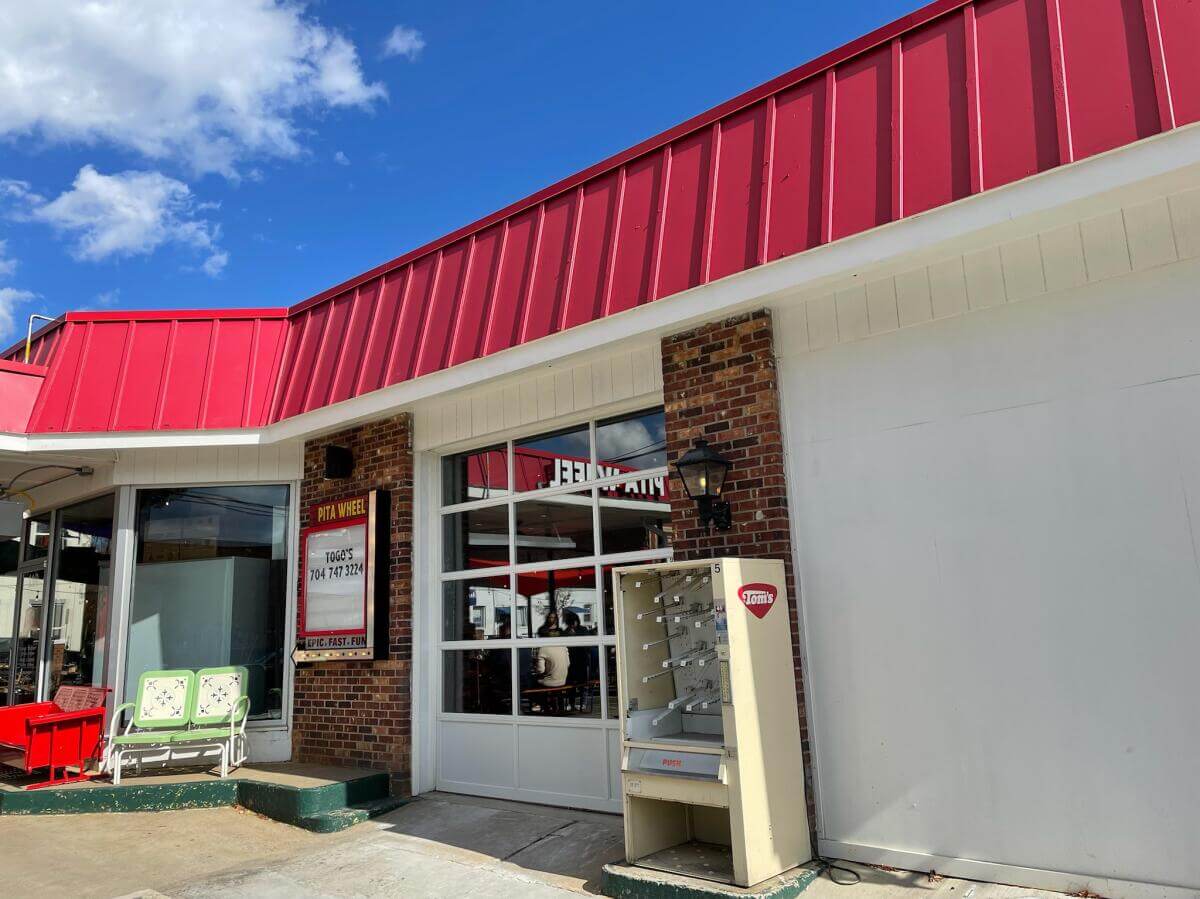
x: 711, y: 767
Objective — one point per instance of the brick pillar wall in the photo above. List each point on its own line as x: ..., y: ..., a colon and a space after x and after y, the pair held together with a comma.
x: 359, y: 712
x: 720, y: 383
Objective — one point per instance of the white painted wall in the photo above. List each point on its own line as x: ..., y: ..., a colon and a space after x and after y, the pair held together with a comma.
x: 993, y: 513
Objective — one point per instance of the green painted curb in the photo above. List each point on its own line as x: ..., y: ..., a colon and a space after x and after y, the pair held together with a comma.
x: 324, y: 809
x: 631, y: 882
x: 130, y: 798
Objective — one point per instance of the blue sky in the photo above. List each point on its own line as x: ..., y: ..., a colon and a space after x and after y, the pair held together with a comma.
x: 162, y: 153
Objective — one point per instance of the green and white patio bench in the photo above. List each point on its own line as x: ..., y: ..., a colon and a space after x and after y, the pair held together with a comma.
x: 181, y: 710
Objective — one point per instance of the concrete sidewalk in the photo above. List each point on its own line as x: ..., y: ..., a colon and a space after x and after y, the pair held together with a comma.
x: 437, y: 846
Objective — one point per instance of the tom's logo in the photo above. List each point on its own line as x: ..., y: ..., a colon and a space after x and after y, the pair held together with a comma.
x: 758, y: 598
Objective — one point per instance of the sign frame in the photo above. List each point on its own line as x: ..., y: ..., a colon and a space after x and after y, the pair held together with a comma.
x: 369, y: 512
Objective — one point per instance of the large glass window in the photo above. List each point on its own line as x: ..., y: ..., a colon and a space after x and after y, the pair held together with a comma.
x: 210, y: 585
x: 582, y: 500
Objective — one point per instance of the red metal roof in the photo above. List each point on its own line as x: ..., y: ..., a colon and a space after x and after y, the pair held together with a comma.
x: 956, y: 98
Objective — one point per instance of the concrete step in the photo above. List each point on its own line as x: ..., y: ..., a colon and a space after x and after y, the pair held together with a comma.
x: 341, y: 818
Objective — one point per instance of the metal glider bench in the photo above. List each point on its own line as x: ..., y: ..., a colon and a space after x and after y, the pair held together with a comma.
x: 185, y: 711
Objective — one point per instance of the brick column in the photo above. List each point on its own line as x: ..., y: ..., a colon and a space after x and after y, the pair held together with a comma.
x: 719, y: 382
x: 351, y: 712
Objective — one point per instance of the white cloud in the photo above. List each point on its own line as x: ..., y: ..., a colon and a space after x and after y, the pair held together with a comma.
x: 404, y: 41
x: 341, y: 158
x: 8, y: 265
x: 108, y: 298
x: 130, y: 214
x: 210, y: 84
x: 215, y: 264
x: 10, y: 299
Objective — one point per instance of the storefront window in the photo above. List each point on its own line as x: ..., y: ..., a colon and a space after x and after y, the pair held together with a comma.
x: 478, y: 681
x: 28, y: 637
x: 477, y: 609
x: 632, y: 442
x: 558, y: 527
x: 81, y: 593
x: 561, y: 602
x: 482, y: 474
x: 560, y: 681
x: 582, y: 500
x: 210, y: 585
x: 37, y: 537
x: 477, y: 538
x: 551, y: 460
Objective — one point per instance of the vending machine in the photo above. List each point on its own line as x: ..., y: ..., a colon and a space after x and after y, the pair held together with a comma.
x: 711, y: 767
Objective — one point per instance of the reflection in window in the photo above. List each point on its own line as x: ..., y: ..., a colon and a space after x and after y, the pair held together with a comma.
x: 559, y: 527
x: 210, y: 585
x: 634, y: 442
x: 475, y: 539
x: 10, y: 549
x: 37, y: 537
x: 477, y: 681
x: 81, y: 593
x: 482, y: 474
x: 635, y: 516
x: 477, y: 609
x: 32, y: 590
x: 560, y: 681
x: 552, y: 460
x: 561, y: 603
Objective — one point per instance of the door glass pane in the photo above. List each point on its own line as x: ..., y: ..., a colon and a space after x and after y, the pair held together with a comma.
x: 561, y: 603
x: 210, y: 586
x: 37, y: 537
x: 633, y: 442
x: 549, y: 460
x: 29, y: 635
x: 479, y: 608
x: 475, y: 539
x: 477, y: 681
x: 482, y: 474
x: 635, y: 516
x: 559, y: 527
x: 81, y: 593
x: 560, y: 681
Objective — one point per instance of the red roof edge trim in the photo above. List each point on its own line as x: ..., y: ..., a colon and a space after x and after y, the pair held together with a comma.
x: 880, y: 35
x: 163, y: 315
x: 22, y: 368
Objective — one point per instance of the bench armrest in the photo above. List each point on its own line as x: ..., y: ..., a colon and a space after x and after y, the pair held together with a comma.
x: 238, y: 714
x: 116, y: 720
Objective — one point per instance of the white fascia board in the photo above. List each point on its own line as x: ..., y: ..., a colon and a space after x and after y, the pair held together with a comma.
x: 1158, y: 165
x: 65, y: 443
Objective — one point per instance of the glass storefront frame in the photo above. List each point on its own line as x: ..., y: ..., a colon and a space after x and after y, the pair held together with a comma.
x: 509, y: 498
x: 112, y: 673
x: 44, y: 566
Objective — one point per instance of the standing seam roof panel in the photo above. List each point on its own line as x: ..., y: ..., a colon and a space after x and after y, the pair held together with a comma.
x: 958, y: 97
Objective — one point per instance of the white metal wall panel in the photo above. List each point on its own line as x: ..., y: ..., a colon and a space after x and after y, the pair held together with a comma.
x: 999, y: 569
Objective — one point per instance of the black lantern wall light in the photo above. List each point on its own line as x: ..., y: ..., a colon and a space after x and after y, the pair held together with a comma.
x: 703, y: 471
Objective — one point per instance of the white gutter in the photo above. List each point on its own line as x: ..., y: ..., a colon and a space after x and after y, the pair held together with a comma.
x: 1167, y: 162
